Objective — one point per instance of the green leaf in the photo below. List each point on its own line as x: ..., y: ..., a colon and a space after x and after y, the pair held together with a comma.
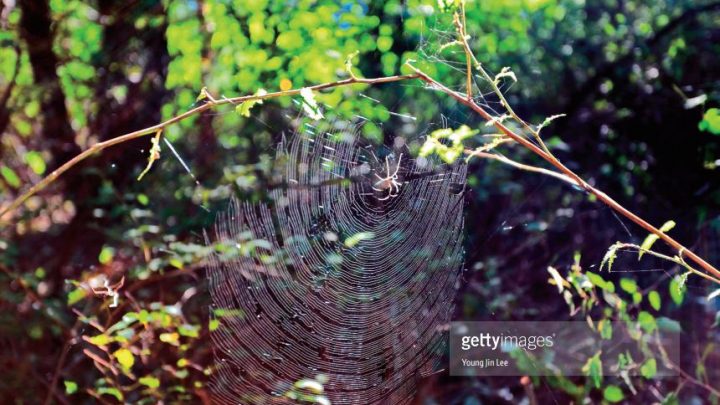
x: 652, y: 238
x: 111, y: 391
x: 125, y: 358
x: 76, y: 296
x: 654, y: 298
x: 310, y: 105
x: 593, y: 369
x: 154, y: 153
x: 647, y: 321
x: 357, y: 238
x: 245, y: 107
x: 548, y: 121
x: 71, y: 387
x: 610, y: 256
x: 100, y: 340
x: 36, y: 162
x: 677, y: 289
x: 711, y: 121
x: 649, y: 368
x: 10, y: 176
x: 628, y: 285
x: 150, y: 381
x: 106, y: 255
x: 613, y: 393
x: 143, y: 199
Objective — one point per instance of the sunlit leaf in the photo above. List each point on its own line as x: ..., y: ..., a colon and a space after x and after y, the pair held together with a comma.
x: 613, y: 394
x: 652, y: 238
x: 125, y: 358
x: 654, y: 298
x: 71, y: 387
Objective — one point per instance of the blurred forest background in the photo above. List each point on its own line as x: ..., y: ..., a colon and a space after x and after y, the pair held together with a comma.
x: 638, y: 81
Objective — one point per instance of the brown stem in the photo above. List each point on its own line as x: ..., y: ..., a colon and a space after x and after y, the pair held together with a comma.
x: 153, y: 129
x: 576, y: 179
x: 607, y: 200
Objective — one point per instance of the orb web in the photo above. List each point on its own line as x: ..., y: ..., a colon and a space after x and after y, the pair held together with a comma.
x: 342, y: 274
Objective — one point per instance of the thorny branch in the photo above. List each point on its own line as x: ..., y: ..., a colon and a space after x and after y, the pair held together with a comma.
x: 563, y: 172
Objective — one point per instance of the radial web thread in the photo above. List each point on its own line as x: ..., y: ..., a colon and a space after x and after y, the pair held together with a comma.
x: 334, y: 278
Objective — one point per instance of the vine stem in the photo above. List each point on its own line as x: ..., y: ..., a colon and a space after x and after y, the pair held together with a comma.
x: 570, y: 176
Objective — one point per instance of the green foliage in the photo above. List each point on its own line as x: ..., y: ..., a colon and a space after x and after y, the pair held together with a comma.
x: 652, y: 238
x: 447, y: 143
x: 613, y: 394
x: 711, y: 121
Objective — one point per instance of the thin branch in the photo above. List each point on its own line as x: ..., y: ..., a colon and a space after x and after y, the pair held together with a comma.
x: 153, y: 129
x: 572, y: 177
x: 604, y: 198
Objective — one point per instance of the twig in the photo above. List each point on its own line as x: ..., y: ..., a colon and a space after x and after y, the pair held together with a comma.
x: 604, y: 198
x: 155, y: 128
x: 541, y: 151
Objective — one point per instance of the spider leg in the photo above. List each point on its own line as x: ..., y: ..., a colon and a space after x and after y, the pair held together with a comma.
x: 397, y: 168
x: 384, y: 198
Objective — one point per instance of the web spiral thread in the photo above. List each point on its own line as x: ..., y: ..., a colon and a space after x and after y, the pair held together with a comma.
x: 334, y: 278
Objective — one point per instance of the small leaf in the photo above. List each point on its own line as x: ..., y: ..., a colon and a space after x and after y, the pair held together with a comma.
x: 202, y: 95
x: 559, y: 281
x: 654, y: 298
x: 71, y: 387
x: 677, y: 289
x: 613, y: 393
x: 36, y: 162
x: 150, y: 381
x: 111, y: 391
x: 610, y: 256
x: 171, y: 338
x: 154, y: 153
x: 10, y: 176
x: 549, y: 120
x: 647, y: 321
x: 349, y: 63
x: 652, y: 238
x: 649, y: 368
x: 245, y: 107
x: 310, y: 105
x: 125, y: 358
x: 711, y: 121
x: 593, y: 369
x: 100, y: 340
x: 106, y: 255
x: 628, y: 285
x: 76, y: 296
x: 505, y: 72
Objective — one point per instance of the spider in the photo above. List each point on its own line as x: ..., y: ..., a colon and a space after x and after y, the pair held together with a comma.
x: 390, y: 182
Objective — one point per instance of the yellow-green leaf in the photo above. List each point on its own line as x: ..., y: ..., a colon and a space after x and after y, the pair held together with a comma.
x: 10, y: 176
x: 150, y: 381
x: 245, y: 107
x: 70, y: 387
x: 36, y: 162
x: 125, y: 358
x: 652, y: 238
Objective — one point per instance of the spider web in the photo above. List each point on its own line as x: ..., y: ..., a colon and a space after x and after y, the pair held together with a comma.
x: 364, y: 282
